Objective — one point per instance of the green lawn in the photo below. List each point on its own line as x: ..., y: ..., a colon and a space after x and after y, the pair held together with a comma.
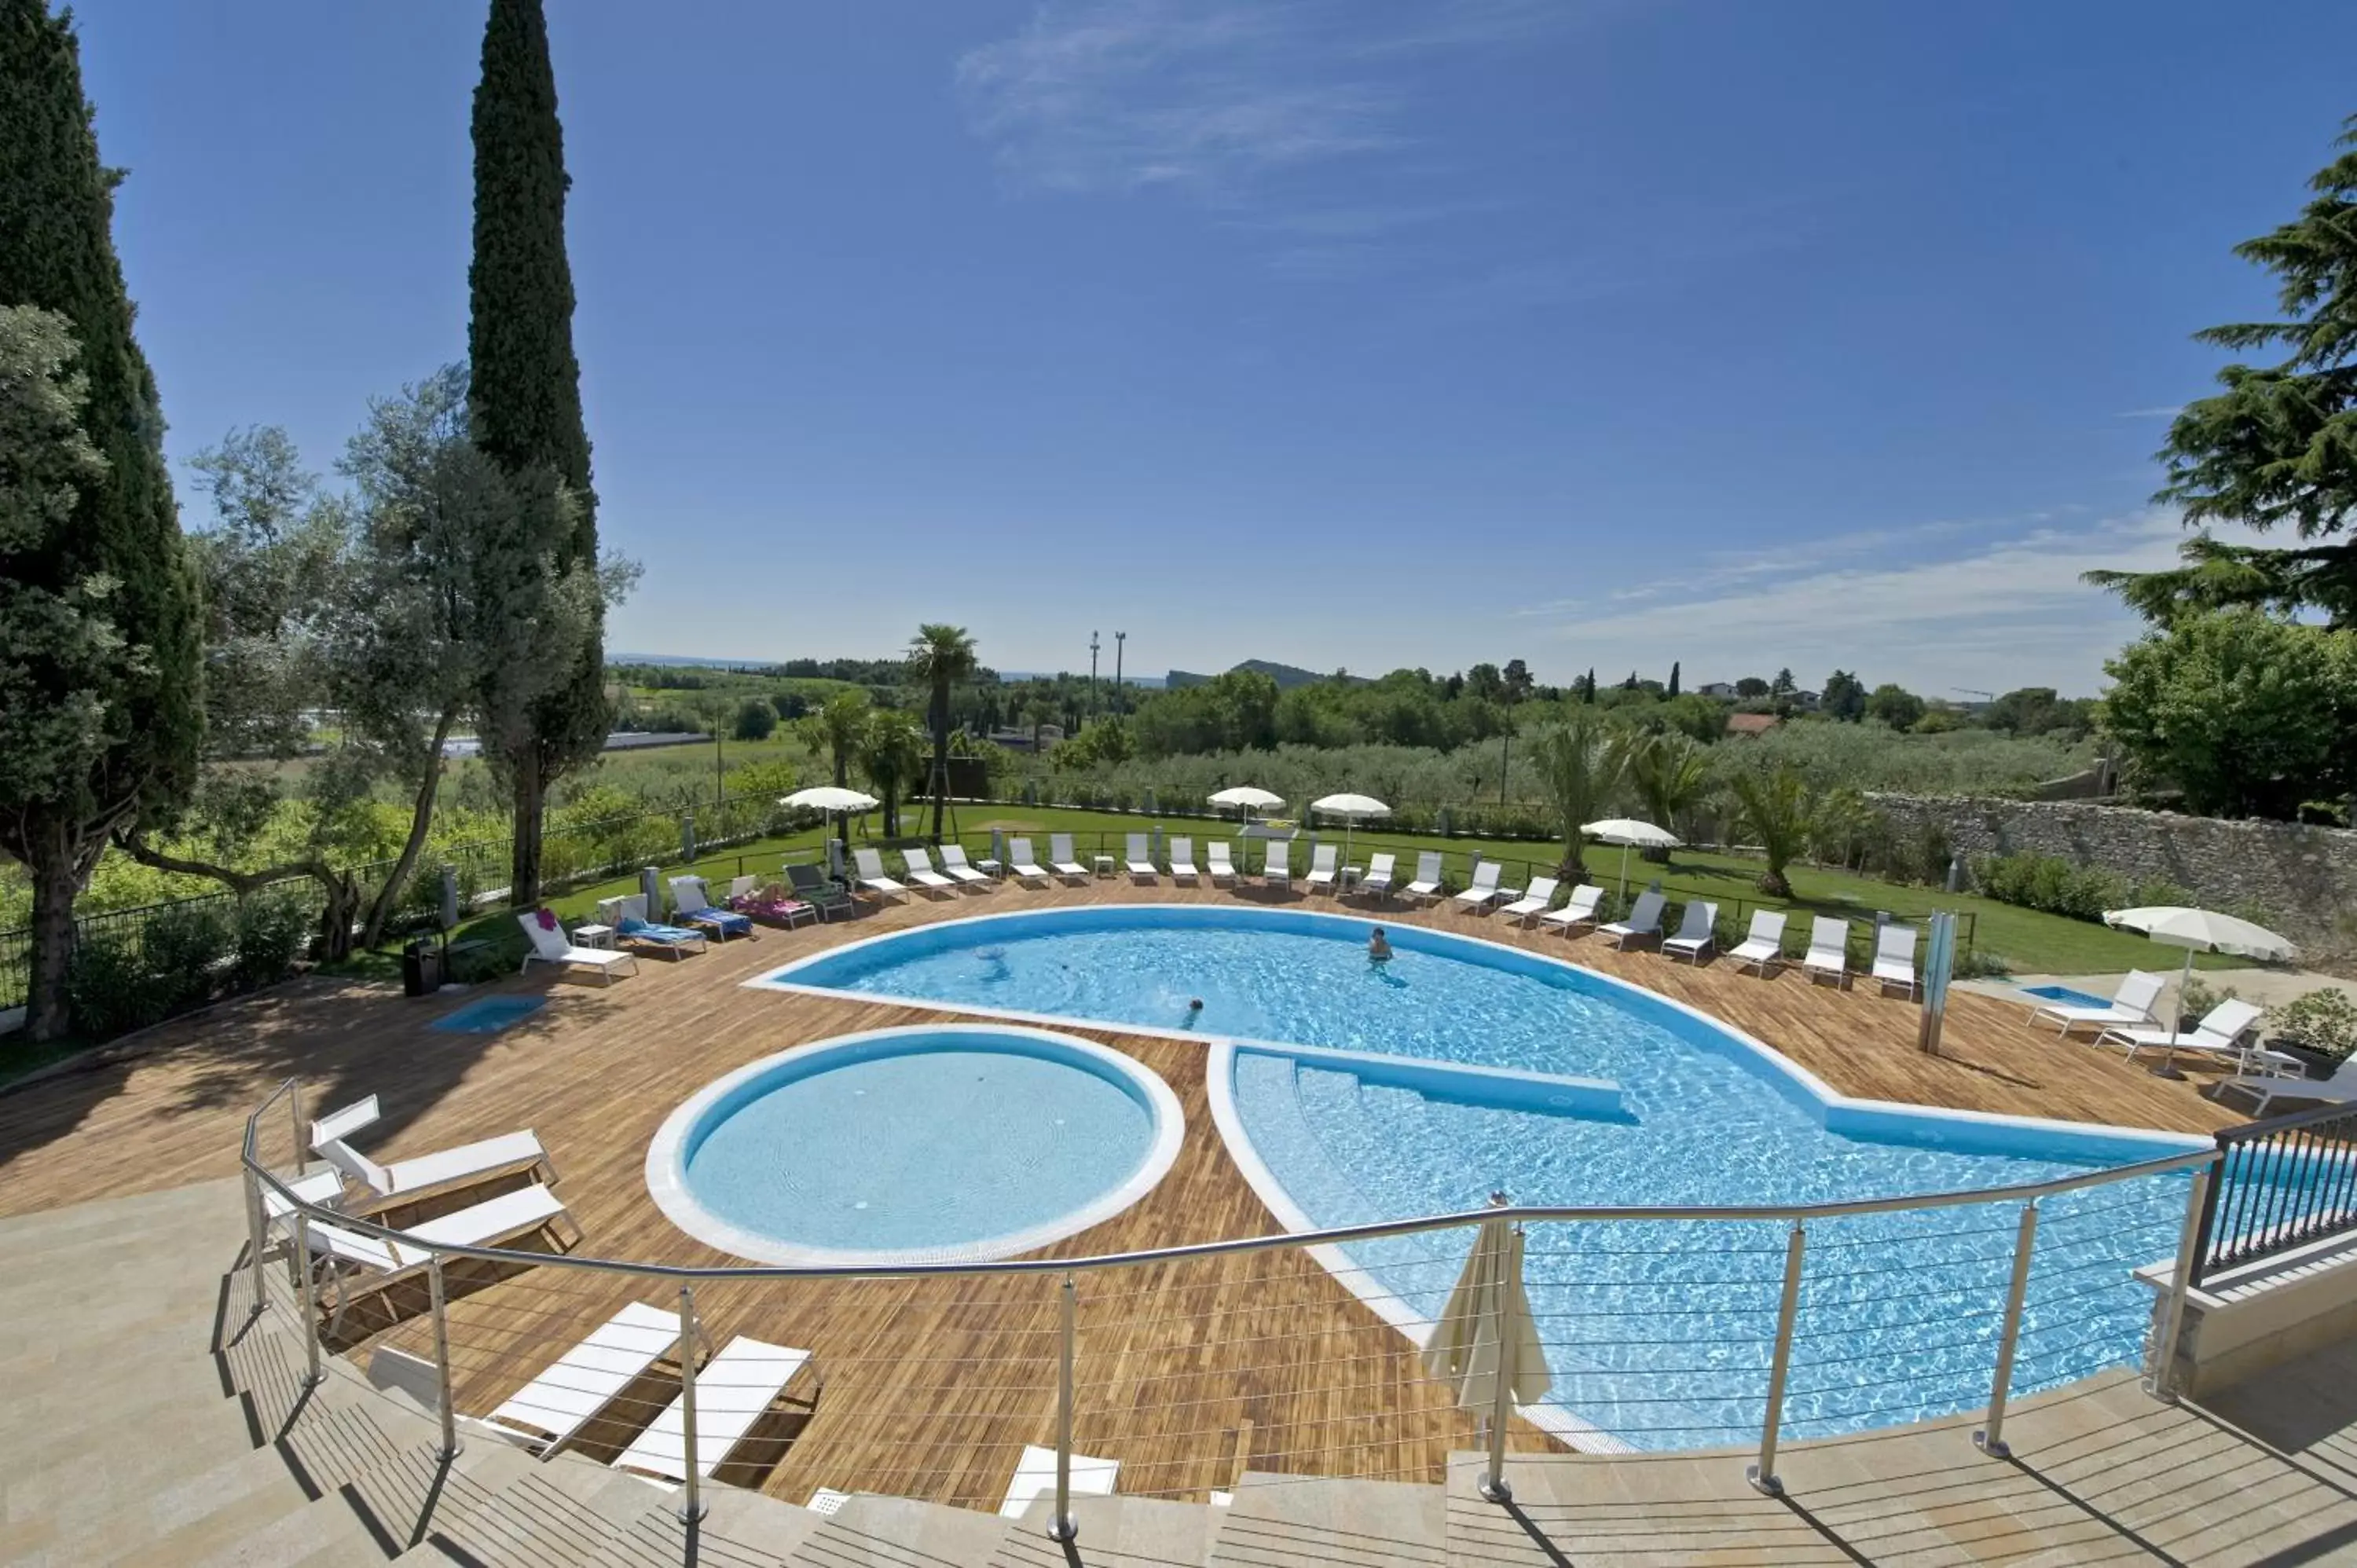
x: 2027, y: 940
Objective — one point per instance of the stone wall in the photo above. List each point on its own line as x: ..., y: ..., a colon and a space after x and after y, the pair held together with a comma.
x: 2305, y: 877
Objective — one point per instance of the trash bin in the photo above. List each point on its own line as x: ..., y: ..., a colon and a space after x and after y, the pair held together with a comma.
x: 421, y: 969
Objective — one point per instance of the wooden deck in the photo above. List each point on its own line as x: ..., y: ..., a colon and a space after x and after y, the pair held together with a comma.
x: 1189, y: 1374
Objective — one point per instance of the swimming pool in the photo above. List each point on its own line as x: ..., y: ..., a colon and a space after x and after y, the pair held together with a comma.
x: 925, y: 1145
x: 2065, y: 995
x: 1657, y: 1335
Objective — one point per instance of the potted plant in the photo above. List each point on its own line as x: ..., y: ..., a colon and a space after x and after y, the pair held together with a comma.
x: 2319, y: 1028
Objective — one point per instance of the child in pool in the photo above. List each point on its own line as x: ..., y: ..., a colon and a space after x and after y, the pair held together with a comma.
x: 1379, y: 947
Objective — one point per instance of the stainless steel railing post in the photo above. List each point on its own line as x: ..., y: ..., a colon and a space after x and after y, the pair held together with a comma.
x: 690, y: 1497
x: 258, y: 1226
x: 2160, y: 1378
x: 314, y: 1376
x: 295, y: 1108
x: 1502, y: 1409
x: 1990, y: 1439
x: 1762, y: 1475
x: 1061, y: 1525
x: 443, y: 1404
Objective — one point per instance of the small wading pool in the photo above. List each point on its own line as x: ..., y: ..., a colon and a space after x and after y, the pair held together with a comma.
x: 925, y: 1145
x: 489, y: 1016
x: 2065, y: 996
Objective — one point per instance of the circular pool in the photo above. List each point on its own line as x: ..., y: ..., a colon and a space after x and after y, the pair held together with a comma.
x: 923, y: 1144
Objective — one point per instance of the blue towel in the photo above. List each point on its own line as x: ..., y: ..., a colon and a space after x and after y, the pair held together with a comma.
x: 632, y: 926
x: 726, y: 920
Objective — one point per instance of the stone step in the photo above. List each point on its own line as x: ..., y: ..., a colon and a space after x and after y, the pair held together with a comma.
x: 869, y: 1532
x: 739, y: 1529
x: 1114, y: 1532
x: 1302, y: 1521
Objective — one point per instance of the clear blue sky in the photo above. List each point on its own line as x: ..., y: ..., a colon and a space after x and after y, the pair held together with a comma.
x: 1341, y: 332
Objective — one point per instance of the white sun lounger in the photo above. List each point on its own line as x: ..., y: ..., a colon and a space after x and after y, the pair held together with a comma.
x: 2131, y: 1005
x: 1764, y: 945
x: 1059, y: 855
x: 2264, y: 1087
x: 576, y: 1389
x: 922, y: 872
x: 360, y: 1265
x: 1035, y: 1477
x: 1216, y: 855
x: 1277, y: 869
x: 955, y: 864
x: 1379, y: 871
x: 1140, y: 858
x: 1697, y: 929
x: 1426, y: 885
x: 1182, y: 860
x: 1535, y: 899
x: 550, y: 945
x: 1324, y: 864
x: 1644, y: 920
x: 1484, y: 888
x: 1580, y: 910
x: 2219, y: 1034
x: 1022, y: 861
x: 1894, y: 958
x: 508, y: 1154
x: 1829, y: 950
x: 733, y: 1392
x: 870, y: 866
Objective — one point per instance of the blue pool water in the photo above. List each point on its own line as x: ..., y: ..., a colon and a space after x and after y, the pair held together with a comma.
x: 489, y: 1016
x: 923, y: 1143
x: 1657, y: 1334
x: 2065, y: 995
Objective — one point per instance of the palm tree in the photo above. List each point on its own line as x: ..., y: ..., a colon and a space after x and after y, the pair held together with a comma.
x: 891, y: 753
x: 1580, y: 764
x: 838, y: 727
x: 939, y: 656
x: 1776, y: 810
x: 1670, y: 774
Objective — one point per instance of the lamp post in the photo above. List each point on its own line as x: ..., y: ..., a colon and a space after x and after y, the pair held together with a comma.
x: 1120, y: 700
x: 1093, y: 670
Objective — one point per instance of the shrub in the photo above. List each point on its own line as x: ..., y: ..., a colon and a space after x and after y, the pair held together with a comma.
x: 2198, y: 997
x: 110, y: 989
x: 270, y: 931
x: 2049, y: 883
x: 182, y: 949
x: 2324, y: 1020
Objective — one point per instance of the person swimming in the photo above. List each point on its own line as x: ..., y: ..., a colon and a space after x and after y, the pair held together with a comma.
x: 1379, y: 947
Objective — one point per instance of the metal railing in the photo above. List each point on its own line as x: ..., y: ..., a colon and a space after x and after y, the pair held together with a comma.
x: 1624, y: 1309
x: 2280, y: 1184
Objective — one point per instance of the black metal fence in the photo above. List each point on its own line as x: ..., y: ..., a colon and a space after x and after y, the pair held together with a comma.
x: 2280, y: 1184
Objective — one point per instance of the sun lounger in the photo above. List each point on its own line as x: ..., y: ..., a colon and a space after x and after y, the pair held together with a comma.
x: 1223, y: 868
x: 1022, y: 863
x: 1580, y: 910
x: 1764, y: 945
x: 1140, y: 858
x: 1276, y: 870
x: 1380, y: 872
x: 820, y: 891
x: 770, y: 905
x: 1060, y: 856
x: 733, y: 1392
x: 1894, y: 958
x: 1534, y: 901
x: 1035, y: 1477
x: 1644, y: 920
x: 1697, y: 929
x: 1484, y: 888
x: 869, y: 864
x: 2220, y: 1033
x: 356, y: 1266
x: 2265, y: 1088
x: 922, y: 872
x: 1182, y: 861
x: 549, y: 945
x: 576, y: 1389
x: 510, y: 1154
x: 693, y: 905
x: 628, y: 915
x: 1828, y: 952
x: 1324, y: 865
x: 2131, y: 1005
x: 321, y: 1189
x: 1426, y: 886
x: 955, y: 865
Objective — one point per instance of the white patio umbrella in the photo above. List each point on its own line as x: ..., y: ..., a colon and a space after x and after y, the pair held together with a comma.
x: 1350, y: 808
x: 1248, y: 798
x: 2201, y: 930
x: 1487, y: 1309
x: 1630, y: 834
x: 831, y: 798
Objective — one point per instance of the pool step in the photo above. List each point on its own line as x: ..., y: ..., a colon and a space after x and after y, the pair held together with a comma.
x: 1282, y: 1135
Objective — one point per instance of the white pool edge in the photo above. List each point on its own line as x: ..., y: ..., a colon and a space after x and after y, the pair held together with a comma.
x: 666, y: 1167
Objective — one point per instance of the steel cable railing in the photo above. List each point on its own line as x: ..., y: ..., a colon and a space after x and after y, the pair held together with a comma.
x: 1192, y: 1364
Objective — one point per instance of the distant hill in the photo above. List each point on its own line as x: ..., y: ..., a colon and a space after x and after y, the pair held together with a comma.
x: 1286, y: 676
x: 687, y: 661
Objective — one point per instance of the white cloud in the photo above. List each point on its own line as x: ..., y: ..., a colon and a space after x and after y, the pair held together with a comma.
x: 2011, y: 612
x: 2169, y: 411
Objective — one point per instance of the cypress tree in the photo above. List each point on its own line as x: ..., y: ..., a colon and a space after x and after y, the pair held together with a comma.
x: 99, y: 625
x: 1674, y: 678
x: 525, y: 384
